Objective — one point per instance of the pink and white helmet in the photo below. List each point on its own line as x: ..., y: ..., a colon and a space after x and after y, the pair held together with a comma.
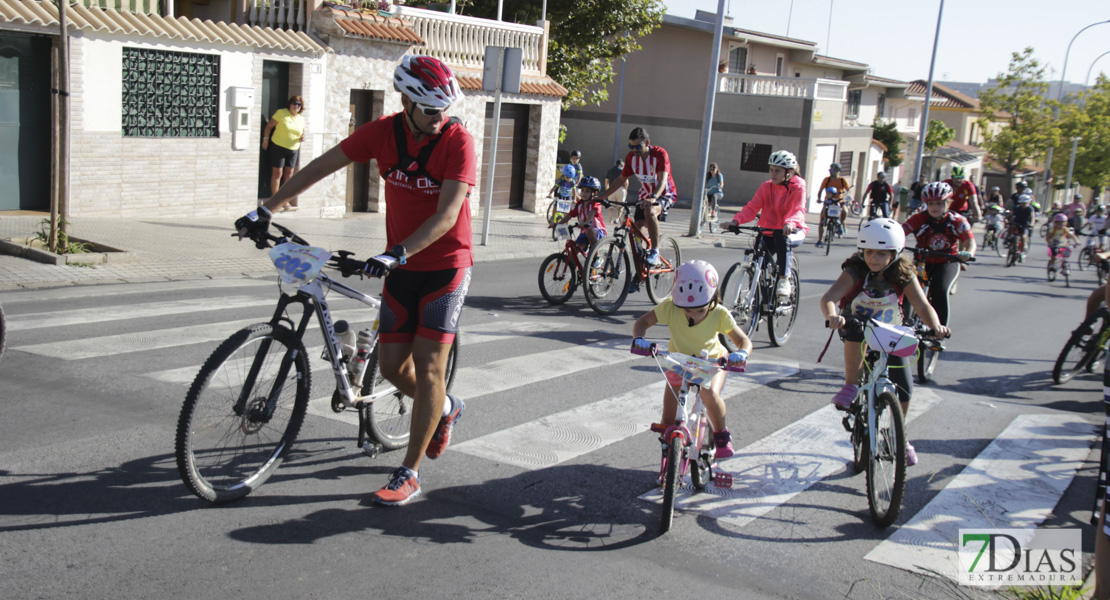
x: 695, y: 284
x: 938, y: 190
x: 427, y: 82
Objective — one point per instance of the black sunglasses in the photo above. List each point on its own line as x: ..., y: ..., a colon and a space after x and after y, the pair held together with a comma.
x: 295, y: 104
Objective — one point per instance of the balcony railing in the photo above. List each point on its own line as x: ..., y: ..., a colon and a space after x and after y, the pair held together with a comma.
x: 461, y: 40
x: 277, y: 14
x: 787, y: 87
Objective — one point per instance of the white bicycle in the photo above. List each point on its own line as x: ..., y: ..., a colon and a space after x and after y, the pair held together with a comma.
x: 247, y: 404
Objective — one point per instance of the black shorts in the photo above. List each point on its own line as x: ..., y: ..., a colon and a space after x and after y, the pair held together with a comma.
x: 280, y: 156
x: 665, y: 203
x: 423, y: 303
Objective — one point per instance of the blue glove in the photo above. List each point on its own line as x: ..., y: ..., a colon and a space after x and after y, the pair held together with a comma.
x: 641, y: 346
x: 254, y: 222
x: 380, y: 265
x: 964, y: 255
x: 738, y: 357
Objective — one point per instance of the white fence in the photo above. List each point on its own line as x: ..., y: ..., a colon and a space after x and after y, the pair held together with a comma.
x: 786, y: 87
x: 462, y: 40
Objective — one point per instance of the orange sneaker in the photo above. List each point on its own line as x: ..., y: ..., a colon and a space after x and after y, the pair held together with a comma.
x: 404, y: 485
x: 442, y: 436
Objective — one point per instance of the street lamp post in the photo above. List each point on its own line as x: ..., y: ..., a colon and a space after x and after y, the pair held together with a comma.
x: 1059, y: 96
x: 1082, y: 103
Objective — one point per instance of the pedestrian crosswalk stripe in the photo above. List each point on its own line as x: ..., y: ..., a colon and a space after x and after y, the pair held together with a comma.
x: 777, y: 468
x: 476, y: 334
x: 1014, y: 483
x: 569, y: 434
x: 130, y: 311
x: 104, y: 291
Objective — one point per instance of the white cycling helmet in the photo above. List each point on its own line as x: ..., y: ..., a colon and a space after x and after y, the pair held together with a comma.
x: 881, y: 234
x: 1024, y: 199
x: 695, y: 284
x: 784, y: 159
x: 427, y: 82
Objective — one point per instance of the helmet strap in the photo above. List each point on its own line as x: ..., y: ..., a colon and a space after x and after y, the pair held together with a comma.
x: 409, y: 114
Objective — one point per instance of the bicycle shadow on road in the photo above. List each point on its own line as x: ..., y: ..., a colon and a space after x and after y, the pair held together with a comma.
x: 579, y: 508
x: 575, y: 307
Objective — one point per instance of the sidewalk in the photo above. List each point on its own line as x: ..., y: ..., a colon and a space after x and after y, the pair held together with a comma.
x: 182, y: 249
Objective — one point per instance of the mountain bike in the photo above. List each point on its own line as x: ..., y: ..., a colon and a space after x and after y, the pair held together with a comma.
x: 246, y: 406
x: 832, y: 227
x: 991, y: 239
x: 561, y: 273
x: 748, y: 290
x: 875, y: 420
x: 1086, y: 256
x: 1085, y: 348
x: 688, y: 444
x: 1058, y: 261
x: 1015, y: 246
x: 710, y: 215
x: 611, y: 270
x: 929, y: 348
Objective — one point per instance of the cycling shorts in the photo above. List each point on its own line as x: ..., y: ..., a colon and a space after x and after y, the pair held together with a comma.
x: 423, y: 303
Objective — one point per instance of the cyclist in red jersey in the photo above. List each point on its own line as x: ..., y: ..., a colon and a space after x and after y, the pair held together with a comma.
x: 965, y: 197
x: 940, y: 229
x: 428, y: 256
x: 834, y: 180
x: 652, y: 167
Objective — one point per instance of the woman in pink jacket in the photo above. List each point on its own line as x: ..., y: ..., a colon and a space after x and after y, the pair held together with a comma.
x: 780, y: 204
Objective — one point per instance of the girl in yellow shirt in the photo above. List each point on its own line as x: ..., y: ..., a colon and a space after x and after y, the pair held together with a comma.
x: 695, y: 317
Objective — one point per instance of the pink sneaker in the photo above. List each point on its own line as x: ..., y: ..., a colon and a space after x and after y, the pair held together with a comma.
x: 843, y: 398
x: 911, y: 455
x: 723, y: 441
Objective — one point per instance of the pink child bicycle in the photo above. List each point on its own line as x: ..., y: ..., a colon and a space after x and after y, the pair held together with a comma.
x: 688, y: 444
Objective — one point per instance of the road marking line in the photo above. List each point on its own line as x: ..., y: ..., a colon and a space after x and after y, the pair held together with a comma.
x: 104, y: 291
x: 564, y: 436
x: 773, y: 470
x: 1014, y: 483
x: 133, y: 311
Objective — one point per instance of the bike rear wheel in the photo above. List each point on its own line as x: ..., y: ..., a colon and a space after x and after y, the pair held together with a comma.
x: 736, y: 288
x: 228, y: 441
x: 670, y: 481
x: 926, y: 362
x: 1078, y: 352
x: 1086, y: 256
x: 661, y: 278
x: 856, y: 208
x: 999, y: 245
x: 607, y: 282
x: 781, y: 321
x: 558, y: 278
x: 389, y: 418
x: 886, y: 467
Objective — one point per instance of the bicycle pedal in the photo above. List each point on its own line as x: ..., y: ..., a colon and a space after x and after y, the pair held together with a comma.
x: 722, y: 480
x: 371, y: 449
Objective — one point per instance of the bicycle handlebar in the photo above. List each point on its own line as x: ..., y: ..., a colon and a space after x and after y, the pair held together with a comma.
x: 721, y: 362
x: 926, y: 253
x: 856, y: 324
x: 339, y: 261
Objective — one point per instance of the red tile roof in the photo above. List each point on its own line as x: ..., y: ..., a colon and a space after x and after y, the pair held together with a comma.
x: 373, y: 26
x: 943, y: 96
x: 540, y: 86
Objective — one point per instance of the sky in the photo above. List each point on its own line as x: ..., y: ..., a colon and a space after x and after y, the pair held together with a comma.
x: 895, y: 37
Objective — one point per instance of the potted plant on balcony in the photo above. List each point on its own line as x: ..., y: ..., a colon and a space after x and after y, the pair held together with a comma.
x: 385, y: 9
x: 751, y: 69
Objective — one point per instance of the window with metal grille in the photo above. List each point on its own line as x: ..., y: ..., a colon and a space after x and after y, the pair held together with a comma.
x: 738, y: 60
x: 845, y: 164
x: 754, y: 157
x: 854, y: 97
x: 170, y: 94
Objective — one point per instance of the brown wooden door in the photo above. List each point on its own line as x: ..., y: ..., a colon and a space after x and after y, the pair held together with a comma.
x: 364, y: 176
x: 512, y: 148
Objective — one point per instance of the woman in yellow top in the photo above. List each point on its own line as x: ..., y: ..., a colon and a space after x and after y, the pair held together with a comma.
x: 287, y: 125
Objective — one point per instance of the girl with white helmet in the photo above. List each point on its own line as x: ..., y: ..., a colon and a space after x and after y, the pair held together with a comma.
x: 872, y: 284
x: 780, y: 204
x: 695, y: 318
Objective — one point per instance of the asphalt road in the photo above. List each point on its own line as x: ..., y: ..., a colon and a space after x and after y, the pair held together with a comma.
x: 91, y: 504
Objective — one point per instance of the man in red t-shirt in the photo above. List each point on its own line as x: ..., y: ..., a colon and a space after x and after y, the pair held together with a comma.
x: 652, y: 167
x: 965, y: 197
x: 428, y: 255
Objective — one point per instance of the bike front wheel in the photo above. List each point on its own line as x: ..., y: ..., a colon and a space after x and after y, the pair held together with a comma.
x: 781, y: 321
x: 856, y: 208
x: 886, y: 466
x: 607, y: 276
x: 558, y: 278
x: 1086, y: 257
x: 670, y: 481
x: 661, y: 278
x: 830, y: 235
x: 861, y: 448
x: 926, y: 362
x: 243, y: 412
x: 1077, y: 352
x: 701, y: 469
x: 389, y: 417
x: 740, y: 298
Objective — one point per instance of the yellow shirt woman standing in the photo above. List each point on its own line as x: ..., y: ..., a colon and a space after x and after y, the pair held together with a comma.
x: 287, y: 126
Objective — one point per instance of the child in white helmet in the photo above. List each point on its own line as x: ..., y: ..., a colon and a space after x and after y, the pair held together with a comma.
x: 695, y: 318
x: 872, y: 284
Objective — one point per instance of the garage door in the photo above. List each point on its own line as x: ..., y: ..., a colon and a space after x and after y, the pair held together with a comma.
x: 512, y: 147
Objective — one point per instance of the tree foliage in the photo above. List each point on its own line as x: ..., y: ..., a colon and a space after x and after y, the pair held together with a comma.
x: 937, y: 134
x: 1088, y: 118
x: 586, y: 37
x: 888, y: 135
x: 1019, y: 101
